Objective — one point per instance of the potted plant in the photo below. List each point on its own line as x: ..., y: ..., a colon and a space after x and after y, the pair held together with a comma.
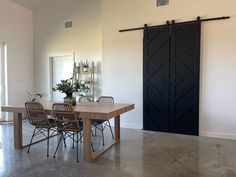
x: 68, y: 87
x: 33, y: 98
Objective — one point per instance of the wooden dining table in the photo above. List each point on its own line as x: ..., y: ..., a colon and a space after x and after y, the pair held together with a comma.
x: 86, y: 111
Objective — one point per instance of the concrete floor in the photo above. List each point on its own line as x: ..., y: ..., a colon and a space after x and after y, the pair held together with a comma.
x: 140, y: 154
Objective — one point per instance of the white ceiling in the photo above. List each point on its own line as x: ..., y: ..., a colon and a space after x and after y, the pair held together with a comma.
x: 30, y: 4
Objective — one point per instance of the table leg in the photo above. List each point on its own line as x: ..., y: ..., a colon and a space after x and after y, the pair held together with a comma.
x: 87, y: 140
x: 17, y: 130
x: 117, y: 129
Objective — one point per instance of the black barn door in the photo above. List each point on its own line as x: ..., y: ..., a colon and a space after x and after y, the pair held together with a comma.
x: 171, y: 78
x: 184, y: 93
x: 156, y: 78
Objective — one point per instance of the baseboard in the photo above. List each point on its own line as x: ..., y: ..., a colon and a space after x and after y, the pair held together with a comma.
x: 132, y: 126
x: 125, y: 125
x: 201, y: 133
x: 218, y: 135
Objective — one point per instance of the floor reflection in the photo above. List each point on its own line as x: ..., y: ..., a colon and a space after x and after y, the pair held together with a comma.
x: 140, y: 154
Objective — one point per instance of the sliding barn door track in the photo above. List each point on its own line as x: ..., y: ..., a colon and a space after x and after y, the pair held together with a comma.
x: 156, y: 26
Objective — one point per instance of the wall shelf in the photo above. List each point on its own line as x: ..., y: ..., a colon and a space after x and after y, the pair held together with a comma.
x: 87, y: 77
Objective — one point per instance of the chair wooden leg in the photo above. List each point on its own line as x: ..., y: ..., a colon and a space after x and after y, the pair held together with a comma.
x: 31, y: 140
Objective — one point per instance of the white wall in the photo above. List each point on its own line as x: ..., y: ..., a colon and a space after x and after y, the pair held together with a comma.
x: 52, y: 39
x: 122, y: 57
x: 95, y: 34
x: 16, y: 29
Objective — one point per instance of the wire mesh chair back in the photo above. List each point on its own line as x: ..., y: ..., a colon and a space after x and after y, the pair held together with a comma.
x: 65, y: 117
x: 106, y: 100
x: 36, y: 114
x: 86, y: 99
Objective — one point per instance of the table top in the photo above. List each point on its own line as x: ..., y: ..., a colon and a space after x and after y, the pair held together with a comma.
x: 84, y: 110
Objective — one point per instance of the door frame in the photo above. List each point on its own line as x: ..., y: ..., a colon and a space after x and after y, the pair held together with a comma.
x: 50, y: 60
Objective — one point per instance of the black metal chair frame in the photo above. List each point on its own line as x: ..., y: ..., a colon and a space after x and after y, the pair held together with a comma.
x: 39, y: 129
x: 64, y: 134
x: 99, y: 124
x: 103, y: 123
x: 70, y: 135
x: 80, y: 139
x: 86, y: 99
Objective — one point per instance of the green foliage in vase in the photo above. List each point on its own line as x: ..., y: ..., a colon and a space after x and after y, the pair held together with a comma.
x: 68, y: 87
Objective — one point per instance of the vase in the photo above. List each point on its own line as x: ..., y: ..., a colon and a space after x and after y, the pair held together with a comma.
x: 70, y: 100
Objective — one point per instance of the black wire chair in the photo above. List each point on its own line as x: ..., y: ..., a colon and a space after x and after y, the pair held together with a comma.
x: 67, y: 124
x: 38, y: 118
x: 86, y: 99
x: 102, y: 124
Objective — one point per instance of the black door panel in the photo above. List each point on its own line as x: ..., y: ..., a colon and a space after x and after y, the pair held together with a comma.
x: 171, y: 78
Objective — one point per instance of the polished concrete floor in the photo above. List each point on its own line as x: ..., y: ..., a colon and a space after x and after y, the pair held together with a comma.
x: 140, y: 154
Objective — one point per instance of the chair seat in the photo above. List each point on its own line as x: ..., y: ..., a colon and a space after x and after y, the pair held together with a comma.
x: 52, y: 120
x: 97, y: 122
x: 44, y: 123
x: 71, y: 126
